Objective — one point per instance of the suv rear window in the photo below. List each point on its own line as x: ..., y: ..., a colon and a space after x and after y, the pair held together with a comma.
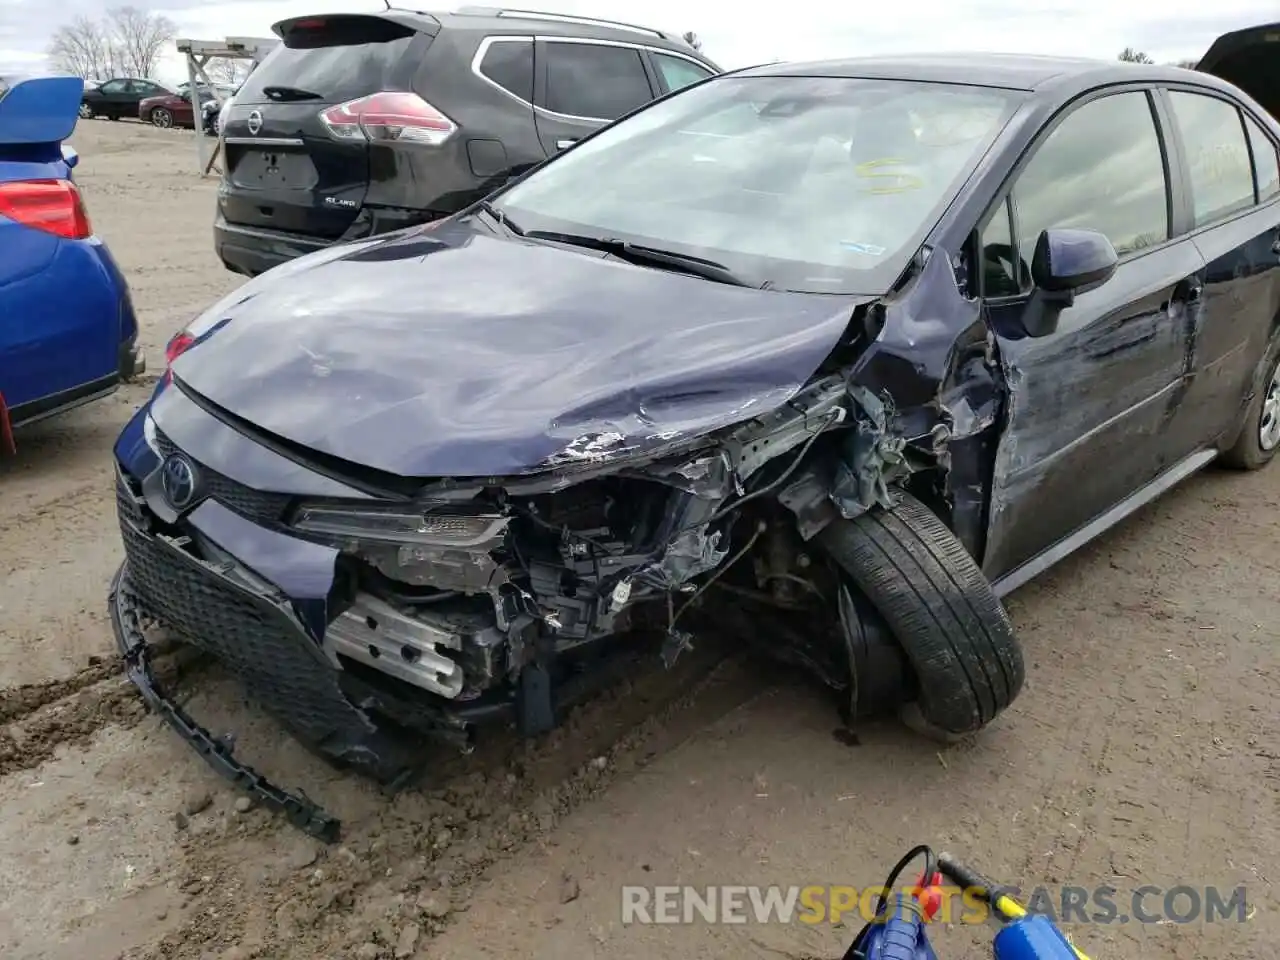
x: 509, y: 64
x: 335, y: 59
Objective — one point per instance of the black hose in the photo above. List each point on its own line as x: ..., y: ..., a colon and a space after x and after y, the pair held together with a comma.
x: 930, y: 868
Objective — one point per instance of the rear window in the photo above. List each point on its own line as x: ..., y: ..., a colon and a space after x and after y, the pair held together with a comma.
x: 333, y: 59
x: 1266, y: 162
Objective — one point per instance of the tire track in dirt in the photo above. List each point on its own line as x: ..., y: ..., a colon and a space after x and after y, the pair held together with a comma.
x: 17, y: 702
x: 414, y: 863
x: 40, y: 718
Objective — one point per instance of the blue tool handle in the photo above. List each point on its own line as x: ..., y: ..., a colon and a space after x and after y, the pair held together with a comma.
x: 1033, y: 937
x: 901, y: 935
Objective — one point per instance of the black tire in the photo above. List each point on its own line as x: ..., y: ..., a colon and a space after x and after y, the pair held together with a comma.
x: 1248, y: 453
x: 161, y: 118
x: 941, y: 609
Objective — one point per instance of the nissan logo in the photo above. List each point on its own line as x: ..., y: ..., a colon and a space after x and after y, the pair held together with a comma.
x: 178, y: 481
x: 255, y: 122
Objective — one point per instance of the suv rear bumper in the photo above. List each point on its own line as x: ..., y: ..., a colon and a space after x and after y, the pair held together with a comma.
x: 251, y: 251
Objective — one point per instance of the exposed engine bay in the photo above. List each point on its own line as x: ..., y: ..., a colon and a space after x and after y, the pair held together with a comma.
x: 464, y: 595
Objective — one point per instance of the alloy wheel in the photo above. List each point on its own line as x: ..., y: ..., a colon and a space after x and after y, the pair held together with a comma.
x: 1269, y: 422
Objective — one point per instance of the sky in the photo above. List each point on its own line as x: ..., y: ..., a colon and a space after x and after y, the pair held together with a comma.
x: 735, y: 34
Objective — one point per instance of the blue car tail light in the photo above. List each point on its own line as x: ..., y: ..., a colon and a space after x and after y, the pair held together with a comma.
x: 53, y: 206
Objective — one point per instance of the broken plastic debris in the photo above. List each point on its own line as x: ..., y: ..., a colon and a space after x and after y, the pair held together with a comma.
x: 873, y: 457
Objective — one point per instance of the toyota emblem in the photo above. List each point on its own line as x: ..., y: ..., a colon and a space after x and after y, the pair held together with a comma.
x: 178, y: 481
x: 255, y: 122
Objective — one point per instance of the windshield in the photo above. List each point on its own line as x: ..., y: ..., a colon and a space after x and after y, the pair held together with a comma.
x: 817, y: 184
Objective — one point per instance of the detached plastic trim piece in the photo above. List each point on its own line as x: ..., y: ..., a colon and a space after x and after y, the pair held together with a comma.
x: 219, y: 754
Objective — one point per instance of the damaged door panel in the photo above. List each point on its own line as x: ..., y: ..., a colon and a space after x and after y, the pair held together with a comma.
x: 1091, y: 402
x: 1089, y: 407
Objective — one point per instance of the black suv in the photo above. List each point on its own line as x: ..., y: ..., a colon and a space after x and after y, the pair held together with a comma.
x: 359, y: 124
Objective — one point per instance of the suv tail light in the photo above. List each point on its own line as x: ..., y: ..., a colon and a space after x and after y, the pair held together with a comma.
x: 390, y: 117
x: 53, y: 206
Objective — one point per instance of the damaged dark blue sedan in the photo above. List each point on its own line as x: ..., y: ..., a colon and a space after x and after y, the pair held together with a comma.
x: 829, y: 357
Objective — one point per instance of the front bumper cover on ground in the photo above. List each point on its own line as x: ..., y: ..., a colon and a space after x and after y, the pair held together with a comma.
x: 126, y: 623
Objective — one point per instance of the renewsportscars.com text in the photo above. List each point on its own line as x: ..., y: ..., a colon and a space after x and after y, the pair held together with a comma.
x: 832, y: 904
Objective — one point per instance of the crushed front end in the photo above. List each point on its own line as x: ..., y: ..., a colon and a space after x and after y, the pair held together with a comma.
x: 367, y: 620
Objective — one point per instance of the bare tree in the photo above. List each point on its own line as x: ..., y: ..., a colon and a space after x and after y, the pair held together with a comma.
x: 84, y: 49
x: 226, y: 70
x: 1130, y: 55
x: 139, y: 37
x: 692, y: 40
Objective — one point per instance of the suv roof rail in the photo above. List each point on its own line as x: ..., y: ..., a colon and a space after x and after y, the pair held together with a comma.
x: 556, y: 17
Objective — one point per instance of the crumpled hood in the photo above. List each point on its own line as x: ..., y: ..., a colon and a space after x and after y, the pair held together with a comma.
x: 451, y: 352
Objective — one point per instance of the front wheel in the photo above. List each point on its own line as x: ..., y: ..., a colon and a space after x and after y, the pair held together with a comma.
x: 86, y: 112
x: 940, y: 608
x: 1259, y: 437
x: 162, y: 118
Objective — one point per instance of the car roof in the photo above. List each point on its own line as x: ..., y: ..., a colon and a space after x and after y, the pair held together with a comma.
x: 554, y: 24
x: 528, y: 21
x: 1027, y: 72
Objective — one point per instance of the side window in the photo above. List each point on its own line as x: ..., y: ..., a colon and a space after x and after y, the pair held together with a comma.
x: 112, y: 86
x: 1266, y: 162
x: 1217, y: 155
x: 1002, y: 275
x: 509, y: 64
x: 677, y: 72
x: 1101, y: 169
x: 594, y: 81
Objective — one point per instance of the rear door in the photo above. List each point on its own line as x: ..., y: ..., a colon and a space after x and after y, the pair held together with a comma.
x: 142, y: 89
x: 580, y: 85
x: 285, y: 170
x: 1234, y: 189
x: 113, y: 97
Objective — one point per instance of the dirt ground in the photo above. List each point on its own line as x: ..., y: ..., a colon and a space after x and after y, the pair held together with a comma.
x: 1144, y: 750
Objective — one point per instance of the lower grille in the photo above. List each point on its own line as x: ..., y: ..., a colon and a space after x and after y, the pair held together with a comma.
x: 253, y: 638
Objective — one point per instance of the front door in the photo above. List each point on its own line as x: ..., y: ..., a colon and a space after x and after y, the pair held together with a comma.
x: 1089, y: 404
x: 116, y: 97
x: 579, y: 86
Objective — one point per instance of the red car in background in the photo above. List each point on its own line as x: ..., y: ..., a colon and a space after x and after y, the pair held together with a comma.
x: 174, y: 109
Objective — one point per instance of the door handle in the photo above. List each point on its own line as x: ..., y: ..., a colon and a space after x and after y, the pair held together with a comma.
x: 565, y: 144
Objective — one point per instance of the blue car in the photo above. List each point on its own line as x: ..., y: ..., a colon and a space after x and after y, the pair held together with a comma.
x: 68, y: 334
x: 824, y: 357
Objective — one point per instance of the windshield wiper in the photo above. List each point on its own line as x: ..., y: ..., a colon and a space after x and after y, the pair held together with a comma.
x: 502, y: 218
x: 290, y: 93
x: 651, y: 256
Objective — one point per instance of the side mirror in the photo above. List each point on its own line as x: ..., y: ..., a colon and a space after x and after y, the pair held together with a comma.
x: 1066, y: 263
